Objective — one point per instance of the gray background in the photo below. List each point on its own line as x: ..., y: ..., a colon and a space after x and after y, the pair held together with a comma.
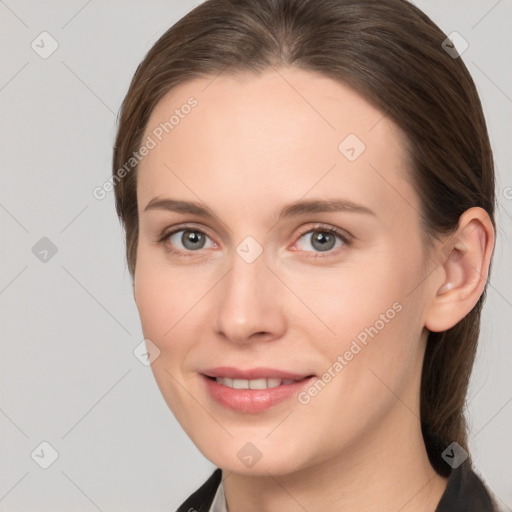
x: 69, y: 325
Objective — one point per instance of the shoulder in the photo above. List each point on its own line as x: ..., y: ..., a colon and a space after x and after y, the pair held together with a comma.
x: 201, y: 500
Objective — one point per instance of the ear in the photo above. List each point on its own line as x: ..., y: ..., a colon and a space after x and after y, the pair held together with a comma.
x: 463, y: 270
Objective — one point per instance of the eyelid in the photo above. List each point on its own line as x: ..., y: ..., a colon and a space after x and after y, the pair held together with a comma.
x: 181, y: 227
x: 345, y: 235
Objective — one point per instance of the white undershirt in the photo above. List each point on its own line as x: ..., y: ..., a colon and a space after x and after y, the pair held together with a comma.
x: 219, y: 501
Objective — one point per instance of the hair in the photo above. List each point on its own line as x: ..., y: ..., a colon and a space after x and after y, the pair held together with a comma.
x: 391, y: 53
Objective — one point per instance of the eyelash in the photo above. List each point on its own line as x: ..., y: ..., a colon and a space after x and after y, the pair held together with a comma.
x: 345, y: 238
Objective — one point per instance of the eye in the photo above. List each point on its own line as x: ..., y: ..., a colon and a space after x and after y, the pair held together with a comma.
x: 187, y: 239
x: 323, y: 239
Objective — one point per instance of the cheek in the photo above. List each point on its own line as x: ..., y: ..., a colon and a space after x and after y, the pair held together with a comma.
x: 366, y: 369
x: 170, y: 302
x: 373, y: 318
x: 154, y: 307
x: 156, y: 293
x: 350, y: 299
x: 163, y: 310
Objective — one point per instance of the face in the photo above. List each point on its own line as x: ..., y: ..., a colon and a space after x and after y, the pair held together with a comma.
x: 280, y: 250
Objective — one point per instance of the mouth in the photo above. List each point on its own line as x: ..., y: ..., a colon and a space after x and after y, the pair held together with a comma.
x: 264, y: 383
x: 254, y: 390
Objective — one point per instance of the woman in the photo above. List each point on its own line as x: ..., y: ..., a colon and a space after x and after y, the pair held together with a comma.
x: 307, y: 189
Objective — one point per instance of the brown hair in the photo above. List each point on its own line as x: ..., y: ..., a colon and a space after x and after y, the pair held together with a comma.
x: 392, y: 54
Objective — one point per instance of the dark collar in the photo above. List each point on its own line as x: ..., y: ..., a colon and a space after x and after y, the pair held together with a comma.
x: 201, y: 500
x: 465, y: 492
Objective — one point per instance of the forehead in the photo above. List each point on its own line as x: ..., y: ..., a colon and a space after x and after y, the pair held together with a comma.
x: 283, y: 133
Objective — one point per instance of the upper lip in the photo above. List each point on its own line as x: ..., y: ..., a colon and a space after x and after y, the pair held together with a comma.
x: 253, y: 373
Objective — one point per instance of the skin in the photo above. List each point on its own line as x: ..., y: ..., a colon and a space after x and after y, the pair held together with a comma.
x: 253, y: 144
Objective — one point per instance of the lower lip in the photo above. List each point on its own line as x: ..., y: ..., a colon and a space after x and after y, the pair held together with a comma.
x: 252, y: 400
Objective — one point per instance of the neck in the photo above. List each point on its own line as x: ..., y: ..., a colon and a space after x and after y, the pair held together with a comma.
x: 388, y: 470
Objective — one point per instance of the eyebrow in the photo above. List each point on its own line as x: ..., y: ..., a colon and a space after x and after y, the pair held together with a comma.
x: 301, y: 207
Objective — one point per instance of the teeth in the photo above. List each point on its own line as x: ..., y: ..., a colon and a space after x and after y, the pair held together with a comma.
x: 240, y: 384
x: 257, y: 384
x: 273, y: 383
x: 253, y: 383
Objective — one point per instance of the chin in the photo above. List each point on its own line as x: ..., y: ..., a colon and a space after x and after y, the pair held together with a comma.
x: 256, y: 458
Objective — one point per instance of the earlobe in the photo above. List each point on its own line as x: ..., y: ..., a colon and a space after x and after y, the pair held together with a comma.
x: 465, y: 268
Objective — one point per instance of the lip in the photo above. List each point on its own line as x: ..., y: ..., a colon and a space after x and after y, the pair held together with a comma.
x: 252, y: 400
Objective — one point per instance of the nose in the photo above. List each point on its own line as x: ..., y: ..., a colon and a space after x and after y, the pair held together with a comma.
x: 249, y: 305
